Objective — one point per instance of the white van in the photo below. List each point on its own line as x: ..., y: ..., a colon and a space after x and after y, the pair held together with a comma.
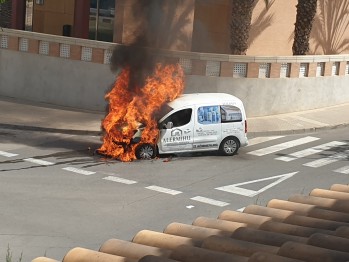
x: 199, y: 122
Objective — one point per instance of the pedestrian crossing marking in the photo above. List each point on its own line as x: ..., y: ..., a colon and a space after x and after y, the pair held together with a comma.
x: 235, y: 189
x: 7, y: 154
x: 311, y: 151
x: 343, y: 170
x: 262, y: 139
x: 283, y: 146
x: 327, y: 160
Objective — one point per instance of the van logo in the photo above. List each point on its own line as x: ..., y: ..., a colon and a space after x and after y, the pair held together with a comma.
x: 176, y: 132
x: 177, y: 138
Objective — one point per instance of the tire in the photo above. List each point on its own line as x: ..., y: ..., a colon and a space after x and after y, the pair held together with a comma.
x: 229, y: 146
x: 145, y: 151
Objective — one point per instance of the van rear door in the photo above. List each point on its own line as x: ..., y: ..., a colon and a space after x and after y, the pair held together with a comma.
x: 233, y: 122
x: 207, y: 130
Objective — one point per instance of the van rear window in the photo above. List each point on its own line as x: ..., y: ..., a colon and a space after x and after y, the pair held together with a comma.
x: 230, y: 114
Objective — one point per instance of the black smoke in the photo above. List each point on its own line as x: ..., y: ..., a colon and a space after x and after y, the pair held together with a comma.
x: 136, y: 57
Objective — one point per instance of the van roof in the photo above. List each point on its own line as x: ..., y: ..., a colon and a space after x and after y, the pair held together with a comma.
x: 202, y: 98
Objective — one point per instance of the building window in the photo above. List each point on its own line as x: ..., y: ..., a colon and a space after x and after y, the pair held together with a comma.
x: 285, y: 70
x: 102, y: 16
x: 335, y: 69
x: 23, y: 44
x: 264, y: 70
x: 303, y: 70
x: 86, y: 53
x: 186, y: 65
x: 4, y: 41
x: 44, y: 48
x: 107, y: 56
x: 320, y: 69
x: 213, y: 68
x: 29, y: 15
x: 64, y: 50
x: 240, y: 70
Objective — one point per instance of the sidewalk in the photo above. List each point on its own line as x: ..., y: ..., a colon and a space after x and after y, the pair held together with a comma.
x: 17, y: 114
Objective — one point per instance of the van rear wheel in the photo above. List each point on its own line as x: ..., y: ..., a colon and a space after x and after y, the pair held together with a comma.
x: 145, y: 151
x: 229, y: 146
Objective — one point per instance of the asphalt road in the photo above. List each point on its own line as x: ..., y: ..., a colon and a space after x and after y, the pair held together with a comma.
x: 56, y: 194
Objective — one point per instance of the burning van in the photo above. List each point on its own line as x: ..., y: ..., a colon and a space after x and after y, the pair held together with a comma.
x: 197, y: 122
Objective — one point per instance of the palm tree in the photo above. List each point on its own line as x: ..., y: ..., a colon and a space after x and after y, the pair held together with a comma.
x: 240, y: 24
x: 306, y: 10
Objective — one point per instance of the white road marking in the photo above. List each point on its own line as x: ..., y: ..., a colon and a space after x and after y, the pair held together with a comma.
x: 327, y: 160
x: 120, y: 180
x: 283, y: 146
x: 343, y: 170
x: 262, y: 139
x: 310, y: 151
x: 38, y: 161
x: 164, y: 190
x: 286, y: 158
x: 241, y: 209
x: 79, y: 171
x: 210, y: 201
x: 7, y: 154
x: 235, y: 189
x: 190, y: 206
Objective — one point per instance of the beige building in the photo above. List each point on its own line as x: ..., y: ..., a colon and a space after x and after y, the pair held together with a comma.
x: 197, y: 26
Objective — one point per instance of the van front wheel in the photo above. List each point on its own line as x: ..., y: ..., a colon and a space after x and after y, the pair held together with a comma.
x: 145, y: 151
x: 229, y: 146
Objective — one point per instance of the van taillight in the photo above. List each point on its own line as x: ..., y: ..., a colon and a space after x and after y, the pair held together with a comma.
x: 245, y: 126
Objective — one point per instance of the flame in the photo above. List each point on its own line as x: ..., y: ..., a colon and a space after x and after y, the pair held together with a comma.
x: 128, y: 108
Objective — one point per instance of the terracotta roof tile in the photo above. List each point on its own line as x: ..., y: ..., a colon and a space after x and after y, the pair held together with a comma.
x: 303, y: 228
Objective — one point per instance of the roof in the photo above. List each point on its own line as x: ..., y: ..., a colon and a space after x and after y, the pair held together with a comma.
x: 303, y: 228
x: 204, y: 98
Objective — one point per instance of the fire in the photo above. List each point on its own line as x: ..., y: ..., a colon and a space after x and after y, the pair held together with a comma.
x: 128, y: 108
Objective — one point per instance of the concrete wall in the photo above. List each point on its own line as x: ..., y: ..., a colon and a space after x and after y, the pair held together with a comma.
x: 82, y: 85
x: 274, y: 96
x: 63, y: 82
x: 75, y: 73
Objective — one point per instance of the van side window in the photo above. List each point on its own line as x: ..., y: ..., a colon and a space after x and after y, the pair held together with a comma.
x: 209, y: 115
x: 179, y: 118
x: 231, y: 114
